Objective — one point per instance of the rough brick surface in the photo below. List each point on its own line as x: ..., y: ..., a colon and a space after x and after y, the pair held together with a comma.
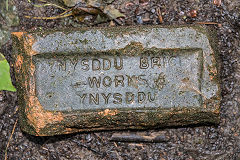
x: 116, y: 78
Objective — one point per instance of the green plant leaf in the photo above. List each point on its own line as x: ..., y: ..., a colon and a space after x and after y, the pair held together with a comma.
x: 5, y: 79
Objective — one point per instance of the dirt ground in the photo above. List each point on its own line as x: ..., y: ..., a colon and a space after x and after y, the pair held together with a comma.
x: 220, y: 142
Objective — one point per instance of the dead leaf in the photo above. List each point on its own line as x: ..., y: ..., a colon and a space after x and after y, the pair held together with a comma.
x: 108, y: 1
x: 217, y: 2
x: 72, y: 3
x: 112, y: 13
x: 95, y: 3
x: 101, y: 19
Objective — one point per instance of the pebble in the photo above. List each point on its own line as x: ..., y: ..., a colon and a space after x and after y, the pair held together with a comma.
x: 153, y: 10
x: 139, y: 20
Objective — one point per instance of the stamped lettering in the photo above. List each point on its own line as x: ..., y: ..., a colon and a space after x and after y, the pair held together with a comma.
x: 147, y: 80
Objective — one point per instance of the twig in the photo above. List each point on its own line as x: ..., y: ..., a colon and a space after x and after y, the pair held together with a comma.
x: 47, y: 18
x: 159, y: 13
x: 210, y: 23
x: 67, y: 11
x: 16, y: 109
x: 7, y: 5
x: 137, y: 138
x: 98, y: 137
x: 214, y: 23
x: 47, y: 4
x: 62, y: 15
x: 15, y: 124
x: 118, y: 22
x: 85, y: 146
x: 50, y: 4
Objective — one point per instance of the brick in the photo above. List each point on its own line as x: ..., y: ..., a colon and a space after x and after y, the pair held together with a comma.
x: 116, y: 78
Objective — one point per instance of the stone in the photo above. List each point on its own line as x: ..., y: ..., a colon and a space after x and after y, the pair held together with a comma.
x: 8, y: 14
x: 4, y: 36
x: 93, y: 79
x: 8, y: 19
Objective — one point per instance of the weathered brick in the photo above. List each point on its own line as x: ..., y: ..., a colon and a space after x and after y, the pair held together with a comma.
x: 116, y: 78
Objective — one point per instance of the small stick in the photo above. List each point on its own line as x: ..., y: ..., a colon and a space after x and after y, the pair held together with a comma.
x: 159, y: 13
x: 50, y: 4
x: 98, y: 137
x: 87, y: 147
x: 214, y: 23
x: 66, y: 11
x: 117, y: 21
x: 7, y: 5
x: 137, y: 138
x: 47, y: 18
x: 210, y: 23
x: 115, y: 144
x: 15, y: 124
x: 47, y: 4
x: 43, y: 1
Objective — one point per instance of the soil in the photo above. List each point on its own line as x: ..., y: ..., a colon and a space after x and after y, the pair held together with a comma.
x: 192, y: 142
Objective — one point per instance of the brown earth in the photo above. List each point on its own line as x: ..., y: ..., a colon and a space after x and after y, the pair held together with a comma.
x: 193, y: 142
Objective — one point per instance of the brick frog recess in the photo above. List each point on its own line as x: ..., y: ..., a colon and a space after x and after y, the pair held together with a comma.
x: 116, y: 78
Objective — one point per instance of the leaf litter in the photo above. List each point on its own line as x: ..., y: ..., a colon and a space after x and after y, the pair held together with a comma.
x: 98, y: 11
